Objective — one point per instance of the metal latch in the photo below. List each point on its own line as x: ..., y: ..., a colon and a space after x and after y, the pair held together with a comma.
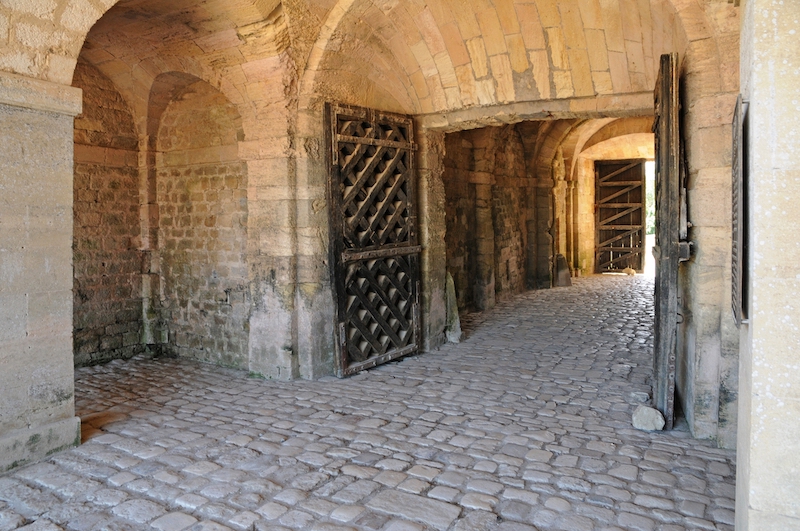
x: 685, y: 251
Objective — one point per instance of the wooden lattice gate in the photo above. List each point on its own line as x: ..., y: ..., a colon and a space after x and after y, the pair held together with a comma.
x: 375, y: 255
x: 620, y: 215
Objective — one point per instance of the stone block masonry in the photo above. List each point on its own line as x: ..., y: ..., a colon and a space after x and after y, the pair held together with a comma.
x: 202, y: 198
x: 36, y: 368
x: 107, y: 314
x: 488, y: 192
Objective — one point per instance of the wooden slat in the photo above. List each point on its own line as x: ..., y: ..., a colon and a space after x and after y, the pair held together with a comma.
x: 620, y: 237
x: 375, y: 142
x: 619, y: 215
x: 610, y: 176
x: 619, y: 193
x: 667, y: 129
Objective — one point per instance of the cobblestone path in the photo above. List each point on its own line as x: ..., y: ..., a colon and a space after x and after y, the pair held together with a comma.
x: 525, y: 425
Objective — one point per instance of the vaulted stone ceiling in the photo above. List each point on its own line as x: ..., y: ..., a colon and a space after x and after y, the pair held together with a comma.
x: 424, y: 57
x: 406, y: 56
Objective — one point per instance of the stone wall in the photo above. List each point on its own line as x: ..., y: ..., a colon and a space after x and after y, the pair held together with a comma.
x: 202, y: 200
x: 707, y: 380
x: 107, y: 312
x: 37, y: 412
x: 486, y: 214
x: 509, y: 213
x: 768, y: 456
x: 460, y: 217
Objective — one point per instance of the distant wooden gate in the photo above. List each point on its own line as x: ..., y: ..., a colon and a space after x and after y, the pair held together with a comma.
x: 668, y: 235
x: 619, y: 215
x: 373, y: 236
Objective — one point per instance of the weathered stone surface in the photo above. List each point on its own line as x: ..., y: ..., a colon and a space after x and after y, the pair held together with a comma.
x: 442, y: 418
x: 648, y: 419
x: 432, y: 512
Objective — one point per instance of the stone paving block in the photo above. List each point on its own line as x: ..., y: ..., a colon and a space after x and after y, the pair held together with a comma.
x: 636, y: 522
x: 174, y: 522
x: 355, y: 491
x: 244, y: 521
x: 272, y: 510
x: 139, y: 511
x: 435, y: 513
x: 42, y: 525
x: 482, y: 502
x: 207, y: 525
x: 201, y: 468
x: 484, y: 486
x: 446, y: 494
x: 347, y: 513
x: 389, y: 478
x: 318, y: 506
x: 296, y: 519
x: 402, y: 525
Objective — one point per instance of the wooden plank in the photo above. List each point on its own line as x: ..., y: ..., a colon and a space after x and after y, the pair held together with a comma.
x: 603, y: 180
x: 349, y: 255
x: 621, y: 205
x: 375, y: 142
x: 620, y: 183
x: 667, y: 129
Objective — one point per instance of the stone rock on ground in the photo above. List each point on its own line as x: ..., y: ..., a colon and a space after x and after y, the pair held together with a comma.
x: 648, y: 419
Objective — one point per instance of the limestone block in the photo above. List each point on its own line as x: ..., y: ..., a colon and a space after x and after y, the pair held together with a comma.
x: 713, y: 246
x: 648, y: 419
x: 530, y: 27
x: 774, y: 452
x: 23, y: 446
x: 708, y: 202
x: 477, y: 52
x: 453, y: 325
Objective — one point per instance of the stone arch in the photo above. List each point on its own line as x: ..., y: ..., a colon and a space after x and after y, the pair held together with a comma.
x: 524, y: 52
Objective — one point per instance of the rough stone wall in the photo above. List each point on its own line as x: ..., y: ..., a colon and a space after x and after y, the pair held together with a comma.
x: 460, y: 218
x: 202, y: 198
x: 707, y: 382
x: 486, y: 215
x: 509, y: 214
x: 107, y: 311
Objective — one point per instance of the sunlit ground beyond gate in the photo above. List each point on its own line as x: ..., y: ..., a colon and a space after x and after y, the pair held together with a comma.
x: 525, y: 425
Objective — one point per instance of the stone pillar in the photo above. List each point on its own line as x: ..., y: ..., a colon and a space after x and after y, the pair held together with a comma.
x: 768, y: 457
x: 432, y: 227
x: 37, y: 413
x: 484, y: 228
x: 314, y: 304
x: 544, y: 222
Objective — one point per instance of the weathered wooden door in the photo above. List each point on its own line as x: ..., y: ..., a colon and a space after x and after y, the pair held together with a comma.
x: 667, y: 247
x: 375, y: 256
x: 619, y: 215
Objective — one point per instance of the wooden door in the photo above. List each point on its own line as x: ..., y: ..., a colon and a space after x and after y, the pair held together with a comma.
x: 667, y: 245
x: 375, y: 256
x: 619, y: 215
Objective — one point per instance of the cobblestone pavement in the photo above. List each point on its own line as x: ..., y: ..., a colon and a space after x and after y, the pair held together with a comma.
x: 525, y: 425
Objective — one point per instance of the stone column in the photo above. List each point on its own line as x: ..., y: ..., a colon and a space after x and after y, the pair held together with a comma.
x: 37, y: 413
x: 432, y: 227
x: 768, y: 456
